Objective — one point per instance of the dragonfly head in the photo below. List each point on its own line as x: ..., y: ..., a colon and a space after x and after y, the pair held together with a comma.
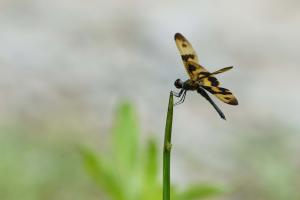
x: 178, y: 84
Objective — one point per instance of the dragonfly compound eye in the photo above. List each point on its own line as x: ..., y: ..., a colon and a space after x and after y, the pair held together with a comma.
x: 178, y: 83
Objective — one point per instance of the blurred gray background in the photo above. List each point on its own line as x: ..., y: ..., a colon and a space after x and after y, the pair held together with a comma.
x: 67, y: 64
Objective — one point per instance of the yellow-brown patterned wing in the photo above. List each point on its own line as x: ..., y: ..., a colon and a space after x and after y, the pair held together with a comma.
x: 207, y: 78
x: 196, y: 71
x: 189, y: 57
x: 200, y: 74
x: 222, y: 70
x: 223, y: 94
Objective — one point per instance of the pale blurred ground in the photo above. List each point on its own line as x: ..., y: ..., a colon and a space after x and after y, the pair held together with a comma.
x: 68, y: 63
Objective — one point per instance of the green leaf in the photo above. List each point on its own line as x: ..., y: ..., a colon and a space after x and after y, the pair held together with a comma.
x: 151, y: 188
x: 151, y: 163
x: 125, y: 140
x: 102, y: 174
x: 200, y: 191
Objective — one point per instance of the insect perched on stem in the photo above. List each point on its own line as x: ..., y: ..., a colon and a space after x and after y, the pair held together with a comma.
x: 200, y: 78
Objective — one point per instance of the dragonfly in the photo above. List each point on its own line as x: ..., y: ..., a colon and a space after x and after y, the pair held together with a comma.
x: 200, y: 79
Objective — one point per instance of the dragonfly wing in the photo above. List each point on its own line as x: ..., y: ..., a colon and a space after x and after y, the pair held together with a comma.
x: 207, y: 78
x: 188, y: 56
x: 222, y: 70
x: 196, y: 71
x: 186, y: 50
x: 223, y: 94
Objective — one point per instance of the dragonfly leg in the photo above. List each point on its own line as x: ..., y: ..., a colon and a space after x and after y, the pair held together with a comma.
x: 181, y: 99
x: 177, y: 94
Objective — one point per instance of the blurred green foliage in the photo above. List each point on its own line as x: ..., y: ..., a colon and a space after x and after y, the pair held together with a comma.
x: 35, y: 165
x: 44, y: 163
x: 131, y: 170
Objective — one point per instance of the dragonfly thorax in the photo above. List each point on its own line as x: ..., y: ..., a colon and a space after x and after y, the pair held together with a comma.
x: 190, y: 85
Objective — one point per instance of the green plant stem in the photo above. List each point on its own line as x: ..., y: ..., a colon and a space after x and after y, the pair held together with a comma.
x: 167, y: 150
